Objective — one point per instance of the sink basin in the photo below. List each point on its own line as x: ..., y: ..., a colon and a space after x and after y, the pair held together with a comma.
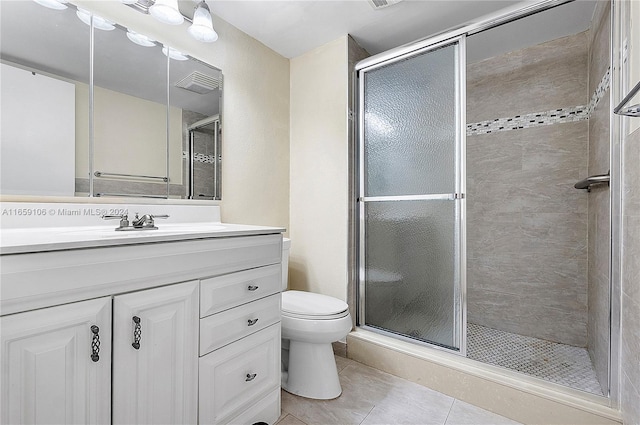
x: 163, y: 229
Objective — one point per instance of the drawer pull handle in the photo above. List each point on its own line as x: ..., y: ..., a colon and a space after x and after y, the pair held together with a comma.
x: 252, y: 287
x: 137, y: 332
x: 250, y: 376
x: 252, y: 322
x: 95, y: 343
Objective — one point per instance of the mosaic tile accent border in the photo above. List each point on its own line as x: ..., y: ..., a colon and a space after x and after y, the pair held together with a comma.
x: 536, y: 119
x: 551, y: 361
x: 200, y: 157
x: 600, y: 90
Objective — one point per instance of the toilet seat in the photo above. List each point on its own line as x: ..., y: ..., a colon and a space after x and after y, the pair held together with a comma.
x: 310, y: 306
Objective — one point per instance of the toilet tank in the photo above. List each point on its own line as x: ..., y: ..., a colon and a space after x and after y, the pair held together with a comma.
x: 286, y: 244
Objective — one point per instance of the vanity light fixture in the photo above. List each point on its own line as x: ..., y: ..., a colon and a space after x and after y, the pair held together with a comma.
x: 202, y: 27
x: 53, y: 4
x: 167, y: 11
x: 140, y: 39
x: 98, y: 22
x: 173, y: 54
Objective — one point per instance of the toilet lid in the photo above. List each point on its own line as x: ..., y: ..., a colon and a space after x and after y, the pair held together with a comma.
x: 307, y: 304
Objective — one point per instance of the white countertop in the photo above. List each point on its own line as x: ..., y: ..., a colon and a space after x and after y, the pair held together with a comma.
x: 39, y: 227
x: 20, y: 241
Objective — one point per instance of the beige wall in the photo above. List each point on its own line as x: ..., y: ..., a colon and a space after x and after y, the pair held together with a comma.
x: 319, y: 170
x: 135, y: 144
x: 630, y: 347
x: 255, y: 179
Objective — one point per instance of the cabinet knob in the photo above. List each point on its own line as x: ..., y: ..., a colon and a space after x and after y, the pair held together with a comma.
x: 95, y: 343
x: 252, y: 287
x: 137, y: 332
x: 251, y: 376
x: 252, y: 322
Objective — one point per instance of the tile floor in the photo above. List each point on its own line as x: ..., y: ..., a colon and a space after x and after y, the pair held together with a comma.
x: 370, y: 397
x: 559, y: 363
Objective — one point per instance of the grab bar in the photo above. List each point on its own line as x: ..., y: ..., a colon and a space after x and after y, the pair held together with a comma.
x: 132, y: 195
x: 630, y: 111
x: 592, y: 180
x: 103, y: 174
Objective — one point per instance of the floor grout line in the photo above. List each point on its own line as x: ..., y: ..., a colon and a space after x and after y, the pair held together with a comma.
x: 449, y: 412
x: 367, y: 415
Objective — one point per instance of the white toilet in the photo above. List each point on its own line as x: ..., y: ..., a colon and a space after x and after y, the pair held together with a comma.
x: 310, y: 323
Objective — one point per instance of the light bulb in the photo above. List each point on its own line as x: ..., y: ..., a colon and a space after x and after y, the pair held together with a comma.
x: 53, y: 4
x: 173, y: 54
x: 167, y: 11
x: 98, y: 22
x: 140, y: 39
x: 202, y: 28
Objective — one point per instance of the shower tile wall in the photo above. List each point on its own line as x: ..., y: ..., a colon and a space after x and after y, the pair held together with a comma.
x: 598, y: 230
x: 630, y: 356
x: 526, y: 224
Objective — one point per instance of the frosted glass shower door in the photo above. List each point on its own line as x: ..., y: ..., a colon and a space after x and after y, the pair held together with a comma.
x: 411, y: 201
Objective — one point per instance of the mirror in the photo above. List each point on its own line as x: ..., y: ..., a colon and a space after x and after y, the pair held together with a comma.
x: 145, y: 106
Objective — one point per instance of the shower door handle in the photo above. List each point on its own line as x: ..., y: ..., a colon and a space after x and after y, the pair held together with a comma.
x: 429, y: 197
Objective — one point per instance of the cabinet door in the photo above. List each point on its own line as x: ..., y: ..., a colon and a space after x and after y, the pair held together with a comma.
x: 157, y: 382
x: 48, y: 373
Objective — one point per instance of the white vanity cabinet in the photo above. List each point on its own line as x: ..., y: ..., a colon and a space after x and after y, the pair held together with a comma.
x: 196, y: 333
x: 48, y: 375
x: 240, y: 347
x: 58, y: 366
x: 155, y: 356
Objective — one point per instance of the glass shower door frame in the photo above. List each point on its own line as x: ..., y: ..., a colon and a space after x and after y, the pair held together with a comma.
x: 459, y: 195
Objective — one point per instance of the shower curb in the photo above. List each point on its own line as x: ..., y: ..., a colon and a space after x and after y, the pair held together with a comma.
x: 507, y: 393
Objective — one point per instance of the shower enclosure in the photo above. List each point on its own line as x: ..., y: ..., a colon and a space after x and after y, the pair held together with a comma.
x: 471, y: 235
x: 412, y: 195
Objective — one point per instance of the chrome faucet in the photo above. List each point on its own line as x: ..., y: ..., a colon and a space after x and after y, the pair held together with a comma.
x: 146, y: 222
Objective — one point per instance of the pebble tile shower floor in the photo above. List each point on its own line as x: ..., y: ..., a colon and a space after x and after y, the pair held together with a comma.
x: 558, y: 363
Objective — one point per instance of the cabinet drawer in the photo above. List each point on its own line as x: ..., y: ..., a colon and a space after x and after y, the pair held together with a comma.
x: 223, y: 328
x: 236, y: 376
x: 224, y: 292
x: 266, y: 410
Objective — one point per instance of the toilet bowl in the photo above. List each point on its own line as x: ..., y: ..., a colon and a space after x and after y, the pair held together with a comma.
x: 310, y: 323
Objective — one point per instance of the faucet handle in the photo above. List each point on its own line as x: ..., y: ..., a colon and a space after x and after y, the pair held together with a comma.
x: 159, y: 216
x: 124, y: 219
x: 112, y: 217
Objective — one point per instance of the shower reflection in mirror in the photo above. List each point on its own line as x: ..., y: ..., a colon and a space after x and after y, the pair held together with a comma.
x: 204, y: 158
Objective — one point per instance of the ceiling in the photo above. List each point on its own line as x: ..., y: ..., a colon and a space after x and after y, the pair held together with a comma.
x: 293, y: 27
x: 289, y: 27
